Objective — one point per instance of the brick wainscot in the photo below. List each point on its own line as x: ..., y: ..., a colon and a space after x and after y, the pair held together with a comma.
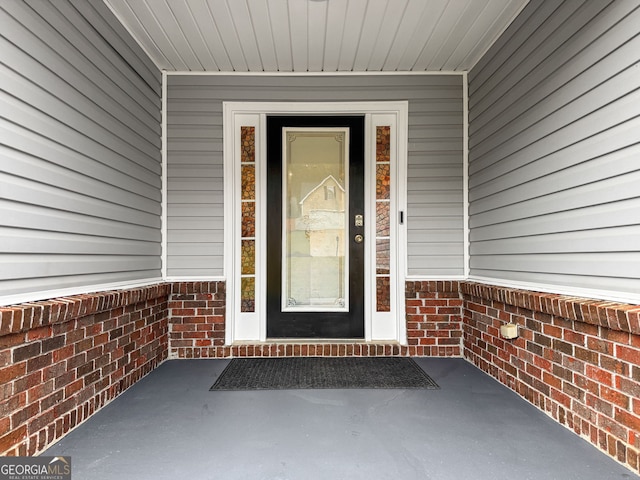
x: 197, y: 321
x: 576, y: 359
x: 62, y: 360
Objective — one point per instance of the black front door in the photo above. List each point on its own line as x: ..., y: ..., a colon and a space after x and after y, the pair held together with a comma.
x: 315, y: 218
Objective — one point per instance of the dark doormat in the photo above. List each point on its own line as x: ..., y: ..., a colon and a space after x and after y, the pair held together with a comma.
x: 321, y: 372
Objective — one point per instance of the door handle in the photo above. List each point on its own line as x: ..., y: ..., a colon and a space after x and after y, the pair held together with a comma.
x: 358, y: 238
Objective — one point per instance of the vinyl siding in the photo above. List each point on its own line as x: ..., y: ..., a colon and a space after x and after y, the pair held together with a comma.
x: 555, y: 147
x: 80, y: 163
x: 435, y: 184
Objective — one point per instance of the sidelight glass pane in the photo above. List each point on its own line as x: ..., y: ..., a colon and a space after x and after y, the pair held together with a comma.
x: 248, y: 219
x: 315, y: 228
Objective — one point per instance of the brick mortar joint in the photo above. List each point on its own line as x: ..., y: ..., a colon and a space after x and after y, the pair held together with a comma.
x: 197, y: 287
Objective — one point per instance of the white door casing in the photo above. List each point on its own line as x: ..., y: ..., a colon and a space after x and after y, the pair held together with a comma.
x: 379, y: 325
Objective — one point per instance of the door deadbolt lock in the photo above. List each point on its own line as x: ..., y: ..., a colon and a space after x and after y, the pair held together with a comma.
x: 358, y: 238
x: 359, y: 221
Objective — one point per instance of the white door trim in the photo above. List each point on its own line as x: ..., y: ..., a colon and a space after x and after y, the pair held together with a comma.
x: 379, y: 326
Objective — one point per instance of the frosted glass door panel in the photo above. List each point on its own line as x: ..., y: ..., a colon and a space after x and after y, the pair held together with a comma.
x: 315, y: 226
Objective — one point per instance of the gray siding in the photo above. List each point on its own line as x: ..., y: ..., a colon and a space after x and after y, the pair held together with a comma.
x: 80, y: 163
x: 555, y: 148
x: 195, y: 190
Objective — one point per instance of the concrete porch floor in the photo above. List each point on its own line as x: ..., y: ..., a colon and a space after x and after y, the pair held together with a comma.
x: 170, y: 426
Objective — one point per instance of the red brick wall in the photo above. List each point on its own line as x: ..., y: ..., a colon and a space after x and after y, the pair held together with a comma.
x: 196, y: 319
x: 197, y: 322
x: 434, y: 318
x: 576, y: 359
x: 63, y: 359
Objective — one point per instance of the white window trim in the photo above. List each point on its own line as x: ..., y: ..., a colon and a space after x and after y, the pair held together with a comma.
x: 243, y: 327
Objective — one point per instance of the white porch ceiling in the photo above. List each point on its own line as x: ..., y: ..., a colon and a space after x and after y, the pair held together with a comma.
x: 315, y: 35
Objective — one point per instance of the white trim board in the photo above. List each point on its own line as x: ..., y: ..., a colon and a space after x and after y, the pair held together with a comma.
x: 465, y: 173
x: 251, y: 326
x: 587, y: 293
x: 31, y: 297
x: 164, y: 178
x: 314, y: 74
